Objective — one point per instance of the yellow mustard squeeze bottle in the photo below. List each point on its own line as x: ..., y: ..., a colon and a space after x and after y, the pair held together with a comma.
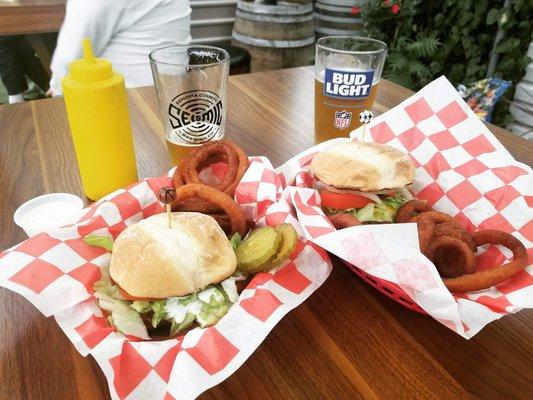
x: 97, y: 111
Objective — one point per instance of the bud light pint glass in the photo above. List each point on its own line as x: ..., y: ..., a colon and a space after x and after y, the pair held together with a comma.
x: 347, y: 74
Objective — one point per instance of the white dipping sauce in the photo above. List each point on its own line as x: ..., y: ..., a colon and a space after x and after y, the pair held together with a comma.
x: 49, y: 214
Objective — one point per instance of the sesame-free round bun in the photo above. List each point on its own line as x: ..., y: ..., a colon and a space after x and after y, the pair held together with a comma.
x: 363, y: 166
x: 149, y: 260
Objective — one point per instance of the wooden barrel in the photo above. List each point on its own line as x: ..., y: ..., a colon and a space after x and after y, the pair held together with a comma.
x: 334, y: 18
x: 276, y: 36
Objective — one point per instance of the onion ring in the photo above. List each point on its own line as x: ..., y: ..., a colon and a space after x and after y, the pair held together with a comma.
x: 485, y: 279
x: 410, y: 209
x: 455, y: 230
x: 243, y: 165
x: 207, y: 193
x: 190, y: 169
x: 200, y: 158
x: 343, y: 220
x: 426, y: 225
x: 207, y: 154
x: 450, y: 263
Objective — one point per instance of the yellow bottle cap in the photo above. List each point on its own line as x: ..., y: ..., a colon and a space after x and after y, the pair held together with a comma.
x: 89, y: 68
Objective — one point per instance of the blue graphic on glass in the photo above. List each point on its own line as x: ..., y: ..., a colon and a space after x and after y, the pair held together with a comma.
x: 346, y: 84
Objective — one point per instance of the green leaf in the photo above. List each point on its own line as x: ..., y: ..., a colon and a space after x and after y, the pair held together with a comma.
x: 175, y: 327
x: 418, y: 69
x: 235, y: 240
x: 480, y: 6
x: 158, y: 307
x: 397, y: 62
x: 99, y: 241
x: 492, y: 16
x: 141, y: 306
x: 506, y: 45
x: 424, y: 46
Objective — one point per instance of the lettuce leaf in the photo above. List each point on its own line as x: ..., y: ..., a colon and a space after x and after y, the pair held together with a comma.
x: 376, y: 212
x: 128, y: 321
x: 105, y: 286
x: 235, y: 240
x: 158, y: 307
x: 211, y: 314
x: 176, y: 327
x: 213, y: 294
x: 99, y: 241
x: 124, y: 318
x: 366, y: 213
x: 206, y: 307
x: 141, y: 306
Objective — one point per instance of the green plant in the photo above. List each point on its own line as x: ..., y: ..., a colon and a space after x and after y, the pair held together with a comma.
x: 451, y: 37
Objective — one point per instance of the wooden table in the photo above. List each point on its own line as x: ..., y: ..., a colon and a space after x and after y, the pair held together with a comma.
x: 21, y: 17
x: 346, y: 341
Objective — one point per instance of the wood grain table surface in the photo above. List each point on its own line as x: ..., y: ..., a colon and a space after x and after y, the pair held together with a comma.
x: 22, y: 17
x: 347, y: 341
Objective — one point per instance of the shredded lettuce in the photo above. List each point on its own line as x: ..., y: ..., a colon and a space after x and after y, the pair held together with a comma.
x: 385, y: 211
x: 187, y: 321
x: 124, y: 318
x: 235, y: 240
x: 99, y: 241
x: 141, y: 306
x: 230, y: 287
x: 206, y: 307
x: 105, y: 286
x: 366, y: 213
x: 211, y: 314
x: 128, y: 321
x: 158, y: 307
x: 212, y: 295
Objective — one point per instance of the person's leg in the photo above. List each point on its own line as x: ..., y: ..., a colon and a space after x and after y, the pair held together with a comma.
x: 31, y: 65
x: 11, y: 69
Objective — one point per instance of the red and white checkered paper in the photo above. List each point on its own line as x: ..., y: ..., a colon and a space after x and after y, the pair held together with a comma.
x: 56, y: 272
x: 462, y: 170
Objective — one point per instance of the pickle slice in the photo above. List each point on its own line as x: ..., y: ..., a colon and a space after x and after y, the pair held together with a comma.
x: 257, y: 249
x: 289, y: 238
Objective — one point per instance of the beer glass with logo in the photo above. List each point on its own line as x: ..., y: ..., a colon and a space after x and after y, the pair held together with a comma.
x: 347, y: 74
x: 191, y: 82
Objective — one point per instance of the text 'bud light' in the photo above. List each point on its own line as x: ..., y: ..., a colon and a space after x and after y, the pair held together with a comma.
x: 348, y: 84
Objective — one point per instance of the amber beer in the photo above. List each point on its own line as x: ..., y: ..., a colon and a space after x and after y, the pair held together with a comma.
x: 327, y: 107
x: 177, y: 151
x: 347, y: 75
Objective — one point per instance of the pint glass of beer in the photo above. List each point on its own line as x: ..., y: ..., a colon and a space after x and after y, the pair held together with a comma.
x: 191, y: 82
x: 347, y: 74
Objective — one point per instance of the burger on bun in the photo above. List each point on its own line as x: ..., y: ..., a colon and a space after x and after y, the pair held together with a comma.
x: 365, y: 180
x: 169, y: 278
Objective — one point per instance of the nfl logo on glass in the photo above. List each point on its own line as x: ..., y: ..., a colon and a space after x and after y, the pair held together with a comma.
x: 342, y: 119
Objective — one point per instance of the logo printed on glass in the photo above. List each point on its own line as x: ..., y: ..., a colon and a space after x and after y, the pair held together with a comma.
x: 196, y: 116
x: 348, y: 84
x: 342, y: 119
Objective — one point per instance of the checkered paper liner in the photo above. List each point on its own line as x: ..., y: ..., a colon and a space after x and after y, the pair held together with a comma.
x: 56, y: 271
x: 462, y: 170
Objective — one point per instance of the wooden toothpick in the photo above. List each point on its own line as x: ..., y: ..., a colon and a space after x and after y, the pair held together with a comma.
x: 167, y: 196
x: 365, y: 117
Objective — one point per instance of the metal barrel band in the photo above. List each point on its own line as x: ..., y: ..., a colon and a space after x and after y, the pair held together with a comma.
x: 273, y: 43
x: 274, y: 18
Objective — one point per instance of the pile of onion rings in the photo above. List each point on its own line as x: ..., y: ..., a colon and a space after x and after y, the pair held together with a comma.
x: 202, y: 157
x: 452, y: 248
x: 195, y: 195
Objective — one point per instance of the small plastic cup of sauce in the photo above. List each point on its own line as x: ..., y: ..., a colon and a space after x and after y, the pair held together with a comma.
x: 47, y: 212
